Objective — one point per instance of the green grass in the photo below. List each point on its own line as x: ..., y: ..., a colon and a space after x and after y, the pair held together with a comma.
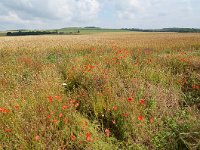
x: 2, y: 33
x: 90, y: 30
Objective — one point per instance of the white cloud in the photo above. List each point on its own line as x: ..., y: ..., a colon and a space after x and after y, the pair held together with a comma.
x: 145, y: 8
x: 112, y: 13
x: 157, y: 13
x: 61, y: 12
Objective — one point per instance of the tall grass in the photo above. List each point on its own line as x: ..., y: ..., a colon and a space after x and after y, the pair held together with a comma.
x: 100, y: 91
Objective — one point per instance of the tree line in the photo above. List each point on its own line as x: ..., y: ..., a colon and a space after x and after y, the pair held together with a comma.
x: 23, y: 33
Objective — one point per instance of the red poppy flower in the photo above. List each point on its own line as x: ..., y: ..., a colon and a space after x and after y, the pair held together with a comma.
x: 58, y: 97
x: 91, y: 67
x: 37, y: 137
x: 88, y: 137
x: 194, y: 86
x: 129, y: 99
x: 8, y: 130
x: 16, y: 107
x: 142, y: 101
x: 50, y: 98
x: 114, y: 108
x: 72, y: 137
x: 65, y: 107
x: 107, y: 132
x: 4, y: 110
x: 72, y: 101
x: 60, y: 115
x: 76, y: 105
x: 54, y: 121
x: 140, y: 118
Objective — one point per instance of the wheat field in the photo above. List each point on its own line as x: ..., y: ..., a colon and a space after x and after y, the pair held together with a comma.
x: 107, y: 91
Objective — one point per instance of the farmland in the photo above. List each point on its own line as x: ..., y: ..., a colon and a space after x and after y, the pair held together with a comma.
x: 90, y: 30
x: 117, y: 90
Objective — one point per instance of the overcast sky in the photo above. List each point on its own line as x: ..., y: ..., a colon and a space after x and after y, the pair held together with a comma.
x: 46, y: 14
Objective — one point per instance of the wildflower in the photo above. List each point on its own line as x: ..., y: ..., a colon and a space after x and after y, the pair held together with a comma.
x: 50, y: 98
x: 195, y: 87
x: 76, y: 105
x: 72, y: 101
x: 60, y: 115
x: 113, y: 121
x: 64, y: 84
x: 54, y: 121
x: 130, y: 99
x: 72, y: 137
x: 125, y: 115
x: 142, y: 101
x: 91, y: 67
x: 88, y: 137
x: 4, y: 110
x: 37, y: 137
x: 107, y: 132
x: 65, y: 107
x: 8, y: 130
x: 93, y: 48
x: 95, y: 139
x: 150, y: 60
x: 58, y: 97
x: 114, y: 108
x: 140, y: 118
x: 16, y: 107
x: 151, y: 120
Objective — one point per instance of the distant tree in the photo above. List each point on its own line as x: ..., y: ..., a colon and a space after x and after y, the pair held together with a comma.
x: 9, y: 33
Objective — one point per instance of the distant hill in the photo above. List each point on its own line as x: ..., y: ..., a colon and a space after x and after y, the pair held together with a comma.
x: 89, y: 30
x: 91, y: 27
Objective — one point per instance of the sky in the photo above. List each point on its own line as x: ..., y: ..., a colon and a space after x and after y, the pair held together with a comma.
x: 53, y: 14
